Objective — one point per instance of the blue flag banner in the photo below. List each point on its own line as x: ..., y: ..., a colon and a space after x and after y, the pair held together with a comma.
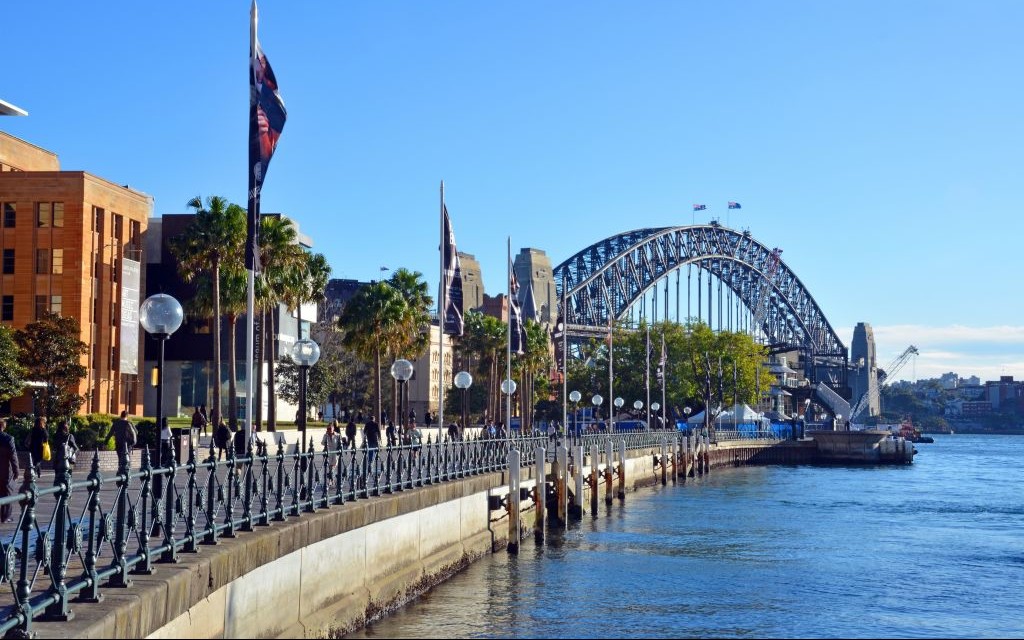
x: 734, y: 205
x: 266, y: 121
x: 700, y: 207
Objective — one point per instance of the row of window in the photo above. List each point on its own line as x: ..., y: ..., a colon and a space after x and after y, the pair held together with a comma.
x: 44, y: 304
x: 48, y: 214
x: 47, y: 261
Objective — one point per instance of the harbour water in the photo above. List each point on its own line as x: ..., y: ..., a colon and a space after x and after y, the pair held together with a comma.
x: 934, y: 549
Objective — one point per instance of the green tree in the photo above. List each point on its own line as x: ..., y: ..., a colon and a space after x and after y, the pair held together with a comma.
x: 279, y: 254
x: 12, y: 373
x: 368, y: 324
x: 411, y: 337
x: 51, y: 352
x: 215, y: 239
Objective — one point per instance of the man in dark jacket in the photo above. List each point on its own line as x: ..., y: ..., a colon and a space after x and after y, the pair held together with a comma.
x: 8, y: 468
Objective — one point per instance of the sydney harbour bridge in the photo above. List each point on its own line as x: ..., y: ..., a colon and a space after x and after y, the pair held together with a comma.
x: 740, y: 285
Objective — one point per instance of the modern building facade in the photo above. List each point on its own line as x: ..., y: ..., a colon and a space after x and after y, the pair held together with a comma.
x: 472, y: 283
x: 188, y: 370
x: 72, y: 245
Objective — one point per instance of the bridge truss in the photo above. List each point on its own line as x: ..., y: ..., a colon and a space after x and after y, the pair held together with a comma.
x: 605, y: 280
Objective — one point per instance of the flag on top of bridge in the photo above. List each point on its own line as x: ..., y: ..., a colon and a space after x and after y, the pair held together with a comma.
x: 700, y: 207
x: 734, y: 205
x: 517, y: 333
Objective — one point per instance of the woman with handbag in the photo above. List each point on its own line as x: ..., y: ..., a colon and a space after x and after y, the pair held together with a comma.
x: 38, y: 440
x: 65, y: 450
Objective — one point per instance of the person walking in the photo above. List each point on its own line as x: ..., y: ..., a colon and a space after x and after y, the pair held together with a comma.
x: 390, y: 432
x: 125, y: 437
x: 199, y: 420
x: 331, y: 443
x: 8, y: 468
x: 65, y: 451
x: 371, y: 438
x: 37, y: 437
x: 222, y: 438
x: 350, y: 432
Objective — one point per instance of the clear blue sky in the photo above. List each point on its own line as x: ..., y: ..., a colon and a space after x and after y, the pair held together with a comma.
x: 878, y: 143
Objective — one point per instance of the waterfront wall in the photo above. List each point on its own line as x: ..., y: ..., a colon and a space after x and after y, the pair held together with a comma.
x: 333, y: 571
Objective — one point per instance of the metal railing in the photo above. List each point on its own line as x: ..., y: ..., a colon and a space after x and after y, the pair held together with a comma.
x: 135, y: 519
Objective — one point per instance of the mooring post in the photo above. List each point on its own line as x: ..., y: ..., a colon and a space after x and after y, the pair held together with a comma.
x: 540, y: 494
x: 622, y: 469
x: 562, y: 484
x: 664, y: 462
x: 513, y: 501
x: 576, y: 510
x: 707, y: 454
x: 595, y: 470
x: 608, y: 470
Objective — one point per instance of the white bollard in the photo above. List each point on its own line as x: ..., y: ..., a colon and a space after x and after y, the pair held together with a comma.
x: 540, y: 493
x: 595, y: 477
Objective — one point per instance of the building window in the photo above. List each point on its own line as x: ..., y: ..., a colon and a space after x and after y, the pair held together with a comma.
x: 97, y: 218
x: 56, y: 305
x: 7, y: 309
x: 58, y: 214
x: 58, y: 261
x: 42, y: 261
x: 44, y: 214
x: 8, y: 261
x: 10, y: 214
x: 40, y: 307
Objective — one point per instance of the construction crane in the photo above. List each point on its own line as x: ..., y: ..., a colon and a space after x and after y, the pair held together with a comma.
x: 771, y: 269
x: 890, y: 371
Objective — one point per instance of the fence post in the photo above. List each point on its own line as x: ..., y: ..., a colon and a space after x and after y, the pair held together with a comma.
x: 145, y: 568
x: 59, y: 611
x: 92, y: 593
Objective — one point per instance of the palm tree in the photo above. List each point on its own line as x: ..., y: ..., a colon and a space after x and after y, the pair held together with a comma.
x: 215, y: 239
x: 279, y: 251
x: 368, y: 324
x: 412, y: 334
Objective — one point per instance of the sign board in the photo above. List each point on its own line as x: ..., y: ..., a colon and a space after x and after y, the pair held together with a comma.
x: 129, y: 347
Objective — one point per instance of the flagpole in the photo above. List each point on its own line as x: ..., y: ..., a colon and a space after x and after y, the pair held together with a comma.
x: 565, y: 361
x: 440, y: 328
x: 250, y: 298
x: 647, y: 375
x: 664, y: 375
x: 508, y: 355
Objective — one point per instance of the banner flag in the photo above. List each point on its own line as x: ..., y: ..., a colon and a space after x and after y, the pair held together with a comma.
x: 453, y: 320
x: 517, y: 332
x: 266, y: 121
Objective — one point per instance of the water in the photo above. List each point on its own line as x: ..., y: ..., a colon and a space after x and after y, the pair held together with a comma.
x: 932, y: 549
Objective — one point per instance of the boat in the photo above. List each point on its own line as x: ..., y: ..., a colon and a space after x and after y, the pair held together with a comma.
x: 910, y: 432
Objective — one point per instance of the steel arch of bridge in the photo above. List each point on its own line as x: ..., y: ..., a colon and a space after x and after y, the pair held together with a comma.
x: 605, y: 279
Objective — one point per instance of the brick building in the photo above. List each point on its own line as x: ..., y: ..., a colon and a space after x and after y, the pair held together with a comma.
x: 71, y: 244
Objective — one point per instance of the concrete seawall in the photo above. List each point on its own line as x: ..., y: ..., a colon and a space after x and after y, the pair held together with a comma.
x: 333, y: 571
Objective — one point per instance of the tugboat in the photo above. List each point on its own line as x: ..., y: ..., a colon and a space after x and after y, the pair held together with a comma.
x: 912, y: 433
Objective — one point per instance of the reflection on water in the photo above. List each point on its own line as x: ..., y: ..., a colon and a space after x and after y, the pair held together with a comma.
x: 932, y: 549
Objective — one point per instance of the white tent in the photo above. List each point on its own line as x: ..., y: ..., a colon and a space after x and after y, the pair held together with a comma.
x: 743, y: 413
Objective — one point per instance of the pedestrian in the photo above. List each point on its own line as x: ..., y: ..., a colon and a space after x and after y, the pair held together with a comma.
x: 65, y: 450
x: 199, y: 420
x: 412, y: 415
x: 350, y: 432
x: 428, y: 419
x: 390, y: 433
x: 125, y: 437
x: 371, y: 439
x: 331, y: 443
x: 222, y: 438
x: 37, y: 437
x: 164, y: 456
x: 8, y: 468
x: 453, y: 432
x: 359, y: 416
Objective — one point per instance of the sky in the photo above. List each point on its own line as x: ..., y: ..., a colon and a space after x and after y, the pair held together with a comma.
x: 879, y: 144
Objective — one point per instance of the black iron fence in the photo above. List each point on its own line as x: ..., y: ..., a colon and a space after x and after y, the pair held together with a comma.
x: 72, y: 540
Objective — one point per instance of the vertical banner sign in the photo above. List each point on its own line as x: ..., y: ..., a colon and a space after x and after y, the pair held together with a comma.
x: 129, y: 347
x: 517, y: 333
x: 453, y: 321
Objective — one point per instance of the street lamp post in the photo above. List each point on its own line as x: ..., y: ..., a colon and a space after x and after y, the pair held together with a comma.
x: 597, y: 401
x: 508, y: 387
x: 686, y: 416
x: 618, y: 405
x: 463, y: 380
x: 655, y: 407
x: 637, y: 406
x: 305, y: 353
x: 575, y: 397
x: 401, y: 371
x: 160, y: 315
